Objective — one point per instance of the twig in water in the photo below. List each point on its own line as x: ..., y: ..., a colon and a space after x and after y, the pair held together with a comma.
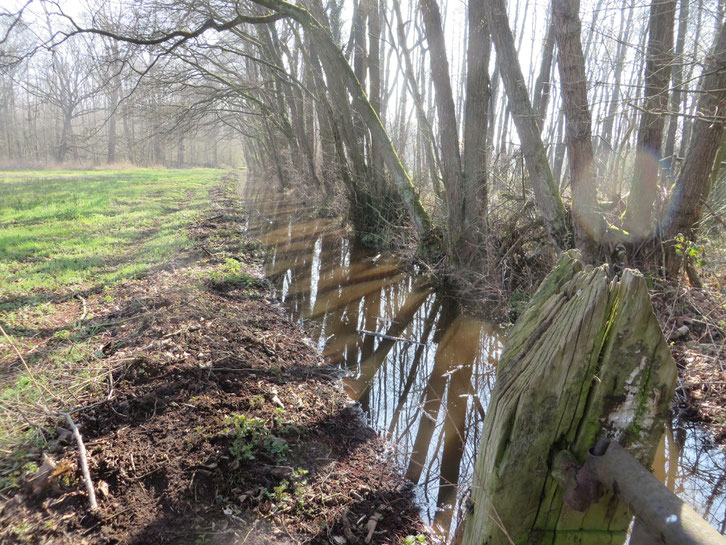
x: 389, y: 337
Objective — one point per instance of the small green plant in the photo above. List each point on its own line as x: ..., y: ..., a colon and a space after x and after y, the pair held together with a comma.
x: 107, y: 297
x: 256, y: 401
x: 246, y: 433
x: 276, y: 447
x: 30, y: 468
x: 292, y: 493
x: 279, y: 493
x: 231, y: 276
x: 413, y: 540
x: 202, y: 539
x: 62, y: 334
x: 689, y: 249
x: 286, y: 427
x: 251, y: 437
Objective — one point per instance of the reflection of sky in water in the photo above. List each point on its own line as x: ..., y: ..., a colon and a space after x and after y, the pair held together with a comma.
x: 698, y: 474
x: 420, y: 392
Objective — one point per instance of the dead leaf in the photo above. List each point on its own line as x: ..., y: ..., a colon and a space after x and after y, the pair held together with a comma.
x: 41, y: 480
x: 102, y: 487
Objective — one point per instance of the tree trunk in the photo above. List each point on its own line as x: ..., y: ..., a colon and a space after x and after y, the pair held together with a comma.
x: 374, y: 71
x: 332, y: 150
x: 432, y: 156
x: 624, y: 38
x: 448, y: 134
x: 688, y: 122
x: 542, y: 85
x: 180, y: 160
x: 64, y: 142
x: 339, y: 100
x: 476, y: 119
x: 693, y: 186
x: 113, y: 106
x: 571, y: 62
x: 677, y: 80
x: 639, y: 213
x: 112, y: 136
x: 296, y: 124
x: 360, y: 69
x: 276, y: 159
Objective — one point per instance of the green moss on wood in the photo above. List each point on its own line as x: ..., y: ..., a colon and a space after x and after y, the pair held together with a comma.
x: 586, y: 359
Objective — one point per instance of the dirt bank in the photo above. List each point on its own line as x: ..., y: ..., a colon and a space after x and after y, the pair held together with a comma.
x: 694, y: 321
x: 220, y: 423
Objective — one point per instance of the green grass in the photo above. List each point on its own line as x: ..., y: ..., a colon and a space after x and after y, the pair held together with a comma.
x: 66, y: 232
x: 62, y: 231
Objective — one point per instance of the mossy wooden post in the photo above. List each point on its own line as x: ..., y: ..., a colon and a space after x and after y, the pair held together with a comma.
x: 586, y: 360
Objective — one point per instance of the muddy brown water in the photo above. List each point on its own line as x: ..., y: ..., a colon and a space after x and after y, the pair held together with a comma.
x: 420, y: 368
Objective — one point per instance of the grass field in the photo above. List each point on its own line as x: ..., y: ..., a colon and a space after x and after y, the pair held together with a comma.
x: 71, y: 230
x: 67, y: 237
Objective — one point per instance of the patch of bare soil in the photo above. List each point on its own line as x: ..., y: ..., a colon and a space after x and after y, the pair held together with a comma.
x: 221, y: 424
x: 694, y: 321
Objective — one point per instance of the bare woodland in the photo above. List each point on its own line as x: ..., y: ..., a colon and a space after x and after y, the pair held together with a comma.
x: 488, y: 133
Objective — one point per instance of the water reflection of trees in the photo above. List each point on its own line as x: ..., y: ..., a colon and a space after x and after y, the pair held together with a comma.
x: 420, y: 393
x: 695, y: 469
x: 429, y: 396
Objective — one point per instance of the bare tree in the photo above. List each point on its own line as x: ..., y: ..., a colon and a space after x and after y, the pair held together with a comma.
x: 545, y: 189
x: 659, y: 57
x: 453, y: 175
x: 476, y: 119
x: 571, y: 63
x: 693, y: 186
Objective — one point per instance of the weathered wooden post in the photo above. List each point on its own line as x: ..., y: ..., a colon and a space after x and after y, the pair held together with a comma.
x: 586, y: 360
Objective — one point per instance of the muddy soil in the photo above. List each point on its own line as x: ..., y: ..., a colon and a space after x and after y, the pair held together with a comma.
x: 220, y: 423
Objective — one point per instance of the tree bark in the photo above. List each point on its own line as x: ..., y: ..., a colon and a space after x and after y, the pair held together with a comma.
x: 623, y: 39
x: 542, y: 85
x: 688, y: 122
x: 64, y: 142
x: 112, y: 116
x: 571, y: 62
x: 476, y: 119
x: 432, y: 156
x: 328, y: 50
x: 296, y: 123
x: 374, y: 72
x: 676, y: 100
x: 693, y: 186
x: 639, y: 212
x: 453, y: 174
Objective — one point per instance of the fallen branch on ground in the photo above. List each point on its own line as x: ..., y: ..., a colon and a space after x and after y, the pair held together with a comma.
x: 84, y: 461
x: 85, y: 309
